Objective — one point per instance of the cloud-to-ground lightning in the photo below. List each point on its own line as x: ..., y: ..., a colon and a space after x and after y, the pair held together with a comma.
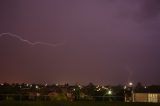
x: 30, y: 42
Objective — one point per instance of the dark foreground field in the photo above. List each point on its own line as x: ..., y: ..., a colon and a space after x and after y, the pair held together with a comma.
x: 26, y: 103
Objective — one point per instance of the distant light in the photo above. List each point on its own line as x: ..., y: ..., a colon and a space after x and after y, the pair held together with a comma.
x: 46, y: 85
x: 98, y: 89
x: 74, y: 89
x: 125, y: 87
x: 38, y: 94
x: 2, y: 84
x: 109, y: 92
x: 97, y: 86
x: 130, y: 84
x: 57, y: 84
x: 145, y: 87
x: 80, y: 86
x: 31, y: 85
x: 27, y: 85
x: 37, y: 87
x: 104, y: 87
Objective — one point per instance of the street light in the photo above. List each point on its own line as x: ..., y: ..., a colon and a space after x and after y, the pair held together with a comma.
x: 37, y: 87
x: 109, y: 92
x: 132, y: 92
x: 130, y: 84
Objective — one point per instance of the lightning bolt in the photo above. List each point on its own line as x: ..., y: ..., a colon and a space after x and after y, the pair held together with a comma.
x: 30, y: 42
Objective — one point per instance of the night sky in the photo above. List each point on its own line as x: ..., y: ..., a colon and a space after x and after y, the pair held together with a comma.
x: 80, y: 41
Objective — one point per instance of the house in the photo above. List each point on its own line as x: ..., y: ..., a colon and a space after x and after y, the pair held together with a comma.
x: 146, y: 97
x: 150, y: 94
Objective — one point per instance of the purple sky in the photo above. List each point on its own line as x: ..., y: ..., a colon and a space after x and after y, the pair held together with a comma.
x: 99, y: 41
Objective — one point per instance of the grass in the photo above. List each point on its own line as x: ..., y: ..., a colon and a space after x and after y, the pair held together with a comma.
x: 81, y: 103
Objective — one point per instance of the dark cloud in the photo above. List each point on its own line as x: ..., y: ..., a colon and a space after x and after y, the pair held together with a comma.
x: 151, y: 8
x: 139, y: 10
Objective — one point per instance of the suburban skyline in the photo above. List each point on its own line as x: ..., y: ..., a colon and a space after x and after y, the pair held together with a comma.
x: 73, y: 41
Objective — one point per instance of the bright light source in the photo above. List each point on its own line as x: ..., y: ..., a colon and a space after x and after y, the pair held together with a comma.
x: 109, y: 92
x: 37, y: 87
x: 130, y: 84
x: 99, y: 89
x: 125, y: 87
x: 80, y: 86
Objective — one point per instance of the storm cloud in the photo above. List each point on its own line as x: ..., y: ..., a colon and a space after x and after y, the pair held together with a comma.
x: 102, y: 41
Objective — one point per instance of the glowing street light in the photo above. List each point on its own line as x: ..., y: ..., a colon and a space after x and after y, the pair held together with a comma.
x: 130, y: 84
x: 74, y: 89
x: 37, y: 87
x: 109, y: 92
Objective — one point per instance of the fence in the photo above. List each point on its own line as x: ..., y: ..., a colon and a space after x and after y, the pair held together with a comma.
x: 20, y: 97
